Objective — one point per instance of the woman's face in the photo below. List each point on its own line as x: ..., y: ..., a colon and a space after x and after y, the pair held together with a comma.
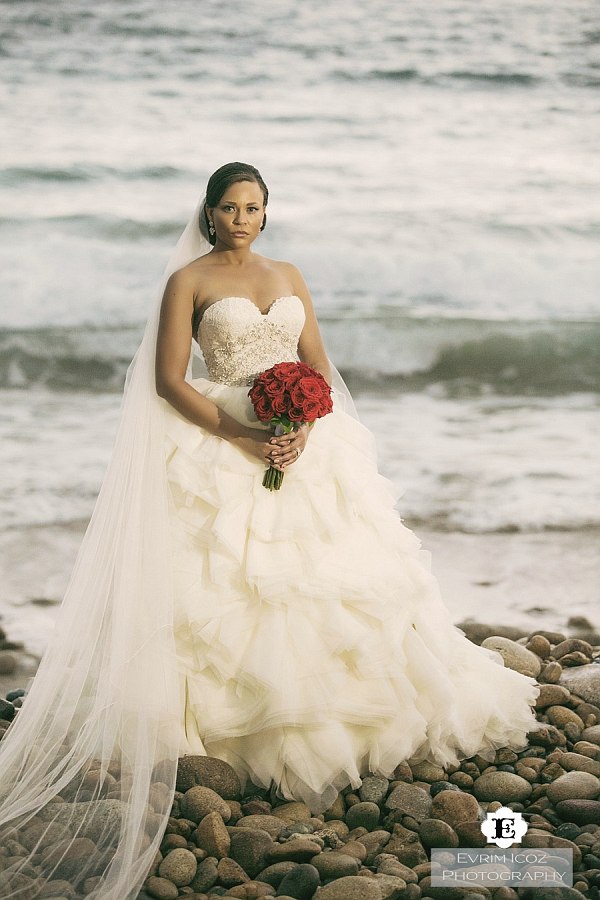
x: 239, y: 215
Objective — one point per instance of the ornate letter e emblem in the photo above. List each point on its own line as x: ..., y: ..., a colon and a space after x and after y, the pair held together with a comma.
x: 504, y: 827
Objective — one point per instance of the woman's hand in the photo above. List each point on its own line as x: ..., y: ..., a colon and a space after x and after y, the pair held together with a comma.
x: 278, y: 452
x: 256, y: 442
x: 286, y: 449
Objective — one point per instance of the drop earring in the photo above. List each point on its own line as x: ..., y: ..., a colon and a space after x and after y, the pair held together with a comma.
x: 211, y: 228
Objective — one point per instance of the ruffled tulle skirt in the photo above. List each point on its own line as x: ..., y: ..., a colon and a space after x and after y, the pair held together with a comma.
x: 313, y: 646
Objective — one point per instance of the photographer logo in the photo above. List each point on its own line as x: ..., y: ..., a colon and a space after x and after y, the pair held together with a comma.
x: 504, y: 827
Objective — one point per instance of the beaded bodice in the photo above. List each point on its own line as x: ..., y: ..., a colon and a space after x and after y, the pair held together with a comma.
x: 238, y: 341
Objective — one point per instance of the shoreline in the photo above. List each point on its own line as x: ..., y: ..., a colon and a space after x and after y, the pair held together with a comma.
x: 526, y: 580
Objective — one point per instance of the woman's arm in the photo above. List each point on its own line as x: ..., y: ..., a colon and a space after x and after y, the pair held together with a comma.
x: 311, y: 348
x: 172, y: 357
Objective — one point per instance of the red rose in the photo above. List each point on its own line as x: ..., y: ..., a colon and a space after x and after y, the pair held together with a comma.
x: 263, y: 410
x: 296, y: 395
x: 326, y: 404
x: 311, y: 409
x: 296, y: 414
x: 274, y: 387
x: 312, y: 386
x: 279, y: 404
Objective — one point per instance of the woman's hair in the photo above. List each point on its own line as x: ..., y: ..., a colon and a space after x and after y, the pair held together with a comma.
x: 222, y: 179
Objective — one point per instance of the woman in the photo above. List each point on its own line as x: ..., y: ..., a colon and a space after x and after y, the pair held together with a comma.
x: 296, y: 634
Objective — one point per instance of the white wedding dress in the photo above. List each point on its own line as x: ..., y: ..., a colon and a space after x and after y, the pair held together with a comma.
x: 312, y: 643
x: 297, y: 634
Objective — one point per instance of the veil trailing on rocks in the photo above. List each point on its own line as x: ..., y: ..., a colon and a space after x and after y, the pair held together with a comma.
x: 88, y: 767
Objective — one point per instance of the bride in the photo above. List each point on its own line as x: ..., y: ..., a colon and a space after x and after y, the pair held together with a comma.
x: 297, y: 634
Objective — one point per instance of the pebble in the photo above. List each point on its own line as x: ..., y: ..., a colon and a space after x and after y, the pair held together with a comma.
x: 428, y: 771
x: 198, y: 801
x: 582, y: 812
x: 301, y: 883
x: 292, y: 812
x: 373, y: 789
x: 572, y: 645
x: 580, y: 763
x: 390, y: 886
x: 515, y: 656
x: 573, y: 786
x: 249, y: 848
x: 271, y: 824
x: 179, y: 866
x: 297, y: 850
x: 7, y: 710
x: 470, y: 834
x: 454, y: 807
x: 374, y: 842
x: 478, y: 632
x: 90, y: 818
x: 212, y: 835
x: 586, y: 748
x: 551, y: 694
x: 406, y: 846
x: 275, y: 873
x: 210, y: 772
x: 592, y: 734
x: 583, y: 681
x: 350, y: 888
x: 562, y: 715
x: 335, y: 864
x: 355, y: 849
x: 161, y: 888
x: 250, y: 890
x: 411, y: 799
x: 337, y: 809
x: 231, y: 873
x: 206, y: 875
x: 435, y: 833
x: 539, y: 645
x: 503, y: 786
x: 363, y: 815
x: 550, y: 673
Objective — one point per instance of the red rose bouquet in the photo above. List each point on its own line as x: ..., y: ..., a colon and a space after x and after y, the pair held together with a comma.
x: 286, y: 396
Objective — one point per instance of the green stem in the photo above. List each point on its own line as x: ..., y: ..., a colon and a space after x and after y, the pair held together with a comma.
x: 273, y: 479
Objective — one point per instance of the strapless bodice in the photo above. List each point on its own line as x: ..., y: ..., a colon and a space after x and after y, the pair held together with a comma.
x: 238, y: 341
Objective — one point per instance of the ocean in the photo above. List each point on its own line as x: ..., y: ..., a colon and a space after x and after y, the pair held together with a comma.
x: 433, y: 171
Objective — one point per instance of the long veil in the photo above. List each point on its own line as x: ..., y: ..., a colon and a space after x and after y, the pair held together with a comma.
x: 88, y: 767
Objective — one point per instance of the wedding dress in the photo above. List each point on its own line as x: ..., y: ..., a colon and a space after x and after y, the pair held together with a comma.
x: 297, y: 634
x: 312, y: 643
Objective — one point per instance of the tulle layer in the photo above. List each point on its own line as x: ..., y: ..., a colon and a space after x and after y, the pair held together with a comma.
x: 313, y: 646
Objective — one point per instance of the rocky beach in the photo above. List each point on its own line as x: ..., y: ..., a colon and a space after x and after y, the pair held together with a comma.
x: 375, y: 843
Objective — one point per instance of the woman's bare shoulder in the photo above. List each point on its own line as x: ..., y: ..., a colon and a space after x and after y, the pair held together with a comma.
x: 187, y: 276
x: 281, y: 266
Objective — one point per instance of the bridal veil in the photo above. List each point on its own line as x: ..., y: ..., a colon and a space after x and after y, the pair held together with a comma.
x: 88, y: 767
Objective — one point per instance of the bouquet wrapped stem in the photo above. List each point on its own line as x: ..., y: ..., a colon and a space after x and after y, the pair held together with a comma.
x: 274, y: 477
x: 288, y: 395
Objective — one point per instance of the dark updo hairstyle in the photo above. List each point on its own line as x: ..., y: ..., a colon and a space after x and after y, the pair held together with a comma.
x: 222, y: 179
